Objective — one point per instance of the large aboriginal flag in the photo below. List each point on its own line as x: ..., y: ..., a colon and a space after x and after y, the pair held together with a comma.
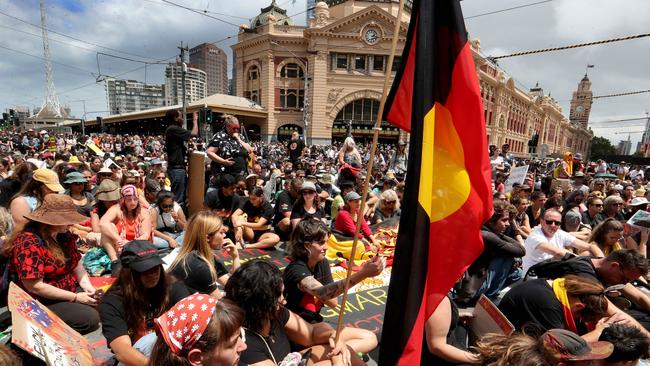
x: 448, y: 195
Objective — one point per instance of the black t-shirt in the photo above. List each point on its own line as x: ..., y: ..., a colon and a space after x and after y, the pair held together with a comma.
x: 215, y: 200
x: 113, y: 316
x: 298, y: 212
x: 256, y: 213
x: 283, y: 203
x: 533, y: 303
x: 228, y: 148
x: 175, y: 138
x: 556, y: 268
x: 277, y: 341
x: 301, y: 303
x: 295, y: 149
x: 193, y: 275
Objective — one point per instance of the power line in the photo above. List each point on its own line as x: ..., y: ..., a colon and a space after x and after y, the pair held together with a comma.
x: 621, y: 94
x: 507, y: 9
x: 203, y: 10
x: 41, y: 58
x: 553, y: 49
x: 71, y: 37
x: 201, y: 13
x: 53, y: 40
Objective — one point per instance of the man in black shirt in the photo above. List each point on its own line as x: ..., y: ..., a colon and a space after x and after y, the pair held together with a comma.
x: 175, y: 138
x: 296, y: 148
x: 255, y: 226
x: 223, y: 202
x: 283, y: 204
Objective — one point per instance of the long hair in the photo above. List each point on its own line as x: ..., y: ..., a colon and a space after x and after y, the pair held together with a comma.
x: 32, y: 188
x: 200, y: 225
x: 43, y: 231
x: 590, y: 293
x: 307, y: 231
x: 510, y: 350
x: 256, y: 287
x: 137, y: 298
x: 388, y: 195
x: 226, y: 320
x: 604, y: 228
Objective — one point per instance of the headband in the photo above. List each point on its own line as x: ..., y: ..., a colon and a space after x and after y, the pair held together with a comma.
x: 129, y: 190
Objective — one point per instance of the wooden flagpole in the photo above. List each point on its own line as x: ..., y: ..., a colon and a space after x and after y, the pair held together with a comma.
x: 373, y: 150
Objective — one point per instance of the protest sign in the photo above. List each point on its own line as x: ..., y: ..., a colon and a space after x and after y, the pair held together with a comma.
x: 487, y: 318
x: 43, y: 334
x: 517, y: 175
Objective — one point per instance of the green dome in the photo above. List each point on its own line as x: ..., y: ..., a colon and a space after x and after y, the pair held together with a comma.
x: 278, y: 14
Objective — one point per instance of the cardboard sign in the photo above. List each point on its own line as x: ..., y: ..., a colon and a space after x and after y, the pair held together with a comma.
x: 43, y: 334
x: 640, y: 221
x: 517, y: 175
x: 91, y: 145
x: 487, y: 318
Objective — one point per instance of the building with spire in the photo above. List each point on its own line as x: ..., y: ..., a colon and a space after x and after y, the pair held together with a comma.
x: 581, y: 103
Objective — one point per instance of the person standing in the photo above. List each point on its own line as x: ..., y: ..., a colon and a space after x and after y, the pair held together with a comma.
x: 175, y: 138
x: 296, y: 148
x: 229, y: 153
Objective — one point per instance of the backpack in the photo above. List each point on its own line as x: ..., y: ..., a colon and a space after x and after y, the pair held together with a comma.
x: 555, y: 268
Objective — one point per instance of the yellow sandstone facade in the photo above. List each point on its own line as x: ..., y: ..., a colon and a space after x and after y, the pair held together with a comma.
x: 327, y: 77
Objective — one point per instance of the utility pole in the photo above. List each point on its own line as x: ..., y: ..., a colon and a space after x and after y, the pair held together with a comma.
x: 183, y: 72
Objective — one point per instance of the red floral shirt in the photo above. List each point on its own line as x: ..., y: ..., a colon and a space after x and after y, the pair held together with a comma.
x: 31, y: 259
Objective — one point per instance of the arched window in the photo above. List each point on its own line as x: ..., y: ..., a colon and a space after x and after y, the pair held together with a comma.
x: 291, y: 71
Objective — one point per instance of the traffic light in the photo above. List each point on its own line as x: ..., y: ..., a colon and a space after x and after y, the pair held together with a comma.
x: 207, y: 112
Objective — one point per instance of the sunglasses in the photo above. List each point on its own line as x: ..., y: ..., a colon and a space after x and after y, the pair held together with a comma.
x: 601, y: 205
x: 166, y: 206
x: 553, y: 222
x: 308, y: 192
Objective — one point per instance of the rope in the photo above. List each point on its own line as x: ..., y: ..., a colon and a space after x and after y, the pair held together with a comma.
x: 553, y: 49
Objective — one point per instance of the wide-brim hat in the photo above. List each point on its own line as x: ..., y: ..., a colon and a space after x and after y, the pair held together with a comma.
x: 49, y: 178
x: 57, y: 209
x: 74, y: 160
x: 105, y: 170
x: 75, y: 177
x: 108, y: 190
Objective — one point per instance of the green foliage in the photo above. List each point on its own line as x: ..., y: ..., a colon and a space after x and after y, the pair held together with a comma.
x: 600, y: 147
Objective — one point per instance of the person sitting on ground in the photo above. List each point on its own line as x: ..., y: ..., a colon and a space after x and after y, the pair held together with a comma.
x: 151, y: 189
x: 387, y: 207
x: 107, y: 195
x: 571, y: 223
x: 122, y: 223
x: 346, y: 221
x: 346, y: 187
x: 607, y: 236
x: 630, y: 345
x: 270, y: 327
x: 308, y: 283
x: 548, y: 241
x: 612, y: 207
x: 445, y: 339
x: 594, y: 207
x: 168, y: 221
x: 307, y: 206
x: 22, y: 173
x: 196, y: 268
x: 536, y: 208
x: 211, y: 337
x: 223, y: 201
x: 556, y: 347
x: 43, y: 182
x: 44, y: 259
x: 132, y: 303
x: 521, y: 220
x: 569, y: 302
x: 252, y: 222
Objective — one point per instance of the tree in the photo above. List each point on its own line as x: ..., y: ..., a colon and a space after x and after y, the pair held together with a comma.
x: 600, y: 147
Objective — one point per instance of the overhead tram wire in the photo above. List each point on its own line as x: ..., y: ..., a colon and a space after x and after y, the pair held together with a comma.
x: 74, y: 38
x: 507, y: 9
x: 621, y: 94
x: 202, y: 10
x: 579, y: 45
x: 41, y: 58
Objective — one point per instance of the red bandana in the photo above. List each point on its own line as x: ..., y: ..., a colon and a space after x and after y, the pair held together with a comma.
x: 186, y: 321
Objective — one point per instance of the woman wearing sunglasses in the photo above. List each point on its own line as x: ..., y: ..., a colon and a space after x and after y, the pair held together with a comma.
x: 168, y: 220
x: 388, y: 207
x: 307, y: 205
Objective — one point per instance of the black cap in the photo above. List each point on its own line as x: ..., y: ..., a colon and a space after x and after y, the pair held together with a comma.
x: 140, y: 256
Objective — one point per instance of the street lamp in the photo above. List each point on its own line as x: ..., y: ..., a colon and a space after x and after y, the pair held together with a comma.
x: 305, y: 103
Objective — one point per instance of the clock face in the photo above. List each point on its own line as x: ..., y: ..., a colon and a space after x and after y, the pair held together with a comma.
x: 371, y: 36
x: 579, y: 109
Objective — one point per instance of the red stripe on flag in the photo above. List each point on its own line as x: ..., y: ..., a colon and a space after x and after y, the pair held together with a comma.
x: 400, y: 113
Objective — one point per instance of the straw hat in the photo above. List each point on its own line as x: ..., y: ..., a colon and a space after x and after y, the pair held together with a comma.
x: 108, y: 190
x: 49, y: 178
x: 57, y: 209
x: 74, y: 160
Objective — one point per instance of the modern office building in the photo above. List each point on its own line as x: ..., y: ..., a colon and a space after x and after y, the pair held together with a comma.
x: 125, y: 96
x: 195, y: 84
x: 214, y: 62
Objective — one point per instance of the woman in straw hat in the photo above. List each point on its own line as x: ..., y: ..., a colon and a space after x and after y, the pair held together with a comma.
x: 44, y: 258
x: 43, y: 182
x: 123, y: 223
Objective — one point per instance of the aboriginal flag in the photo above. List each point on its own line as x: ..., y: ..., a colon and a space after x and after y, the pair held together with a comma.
x: 448, y: 194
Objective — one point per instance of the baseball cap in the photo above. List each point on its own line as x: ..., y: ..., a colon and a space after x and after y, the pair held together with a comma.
x: 638, y: 201
x: 352, y: 196
x: 308, y: 186
x: 140, y: 256
x: 564, y: 345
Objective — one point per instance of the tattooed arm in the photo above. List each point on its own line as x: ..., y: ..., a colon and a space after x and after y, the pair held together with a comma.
x: 328, y: 293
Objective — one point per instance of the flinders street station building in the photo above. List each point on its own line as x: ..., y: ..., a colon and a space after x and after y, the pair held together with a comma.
x: 327, y: 77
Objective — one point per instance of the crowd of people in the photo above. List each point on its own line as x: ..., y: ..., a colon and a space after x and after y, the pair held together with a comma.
x: 73, y: 207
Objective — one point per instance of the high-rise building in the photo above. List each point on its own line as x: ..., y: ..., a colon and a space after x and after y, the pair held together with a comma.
x: 581, y: 103
x: 625, y: 147
x: 213, y: 61
x: 644, y: 145
x: 124, y: 96
x: 311, y: 6
x: 195, y: 84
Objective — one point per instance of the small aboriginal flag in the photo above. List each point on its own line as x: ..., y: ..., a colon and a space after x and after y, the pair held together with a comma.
x: 448, y: 194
